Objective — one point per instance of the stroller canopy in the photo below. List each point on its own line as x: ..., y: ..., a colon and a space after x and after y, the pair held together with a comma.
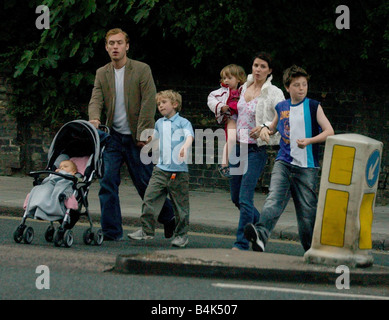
x: 77, y: 138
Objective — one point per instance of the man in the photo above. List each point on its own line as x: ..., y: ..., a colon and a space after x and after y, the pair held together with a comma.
x: 125, y: 90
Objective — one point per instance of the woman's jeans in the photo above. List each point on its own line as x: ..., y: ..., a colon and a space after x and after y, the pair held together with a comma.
x: 122, y: 149
x: 252, y: 160
x: 301, y: 183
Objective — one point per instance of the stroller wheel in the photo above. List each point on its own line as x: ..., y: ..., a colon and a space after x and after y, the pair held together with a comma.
x: 49, y: 234
x: 58, y: 237
x: 68, y: 238
x: 18, y: 233
x: 98, y: 237
x: 28, y: 235
x: 88, y: 236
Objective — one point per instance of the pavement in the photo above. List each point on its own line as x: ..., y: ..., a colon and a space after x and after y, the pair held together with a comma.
x: 212, y: 212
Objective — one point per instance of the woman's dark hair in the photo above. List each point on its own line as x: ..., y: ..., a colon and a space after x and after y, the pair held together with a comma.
x: 266, y: 57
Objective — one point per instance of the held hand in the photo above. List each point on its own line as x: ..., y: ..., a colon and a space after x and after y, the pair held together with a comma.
x: 265, y: 134
x: 225, y: 113
x: 225, y: 109
x: 95, y: 123
x: 140, y: 144
x: 254, y: 133
x: 146, y: 148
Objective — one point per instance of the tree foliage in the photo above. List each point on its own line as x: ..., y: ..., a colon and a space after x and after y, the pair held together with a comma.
x: 183, y: 41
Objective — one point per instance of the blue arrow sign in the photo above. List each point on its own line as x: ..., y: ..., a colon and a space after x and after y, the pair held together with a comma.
x: 373, y: 169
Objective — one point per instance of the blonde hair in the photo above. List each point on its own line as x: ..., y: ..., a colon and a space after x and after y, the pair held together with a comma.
x: 172, y: 95
x: 116, y: 31
x: 235, y: 71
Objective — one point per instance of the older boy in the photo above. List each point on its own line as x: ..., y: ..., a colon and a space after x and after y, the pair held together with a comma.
x: 170, y: 175
x: 302, y: 125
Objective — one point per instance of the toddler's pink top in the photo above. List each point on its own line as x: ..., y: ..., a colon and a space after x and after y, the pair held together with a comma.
x: 232, y: 101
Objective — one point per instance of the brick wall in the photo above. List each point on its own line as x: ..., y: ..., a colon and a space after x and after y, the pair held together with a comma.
x: 366, y: 114
x: 10, y: 155
x: 24, y: 147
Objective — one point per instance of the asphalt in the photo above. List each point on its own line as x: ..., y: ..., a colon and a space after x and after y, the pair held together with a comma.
x: 211, y: 211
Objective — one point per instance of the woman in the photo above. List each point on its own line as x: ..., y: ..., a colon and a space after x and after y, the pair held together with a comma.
x: 256, y: 108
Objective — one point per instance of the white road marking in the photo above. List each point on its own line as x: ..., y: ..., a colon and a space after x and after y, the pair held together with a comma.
x: 297, y: 291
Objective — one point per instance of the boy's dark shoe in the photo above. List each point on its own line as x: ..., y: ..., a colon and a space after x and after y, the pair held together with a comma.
x: 251, y: 234
x: 169, y: 228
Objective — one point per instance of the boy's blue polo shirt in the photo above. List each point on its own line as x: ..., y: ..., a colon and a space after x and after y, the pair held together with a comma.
x: 172, y: 134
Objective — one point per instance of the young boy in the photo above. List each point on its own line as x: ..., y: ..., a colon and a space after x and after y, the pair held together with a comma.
x: 170, y: 175
x: 302, y: 125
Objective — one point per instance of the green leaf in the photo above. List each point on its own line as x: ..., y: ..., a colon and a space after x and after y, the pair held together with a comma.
x: 35, y: 70
x: 130, y: 4
x: 113, y: 6
x: 141, y: 14
x: 74, y: 49
x: 76, y: 79
x: 25, y: 60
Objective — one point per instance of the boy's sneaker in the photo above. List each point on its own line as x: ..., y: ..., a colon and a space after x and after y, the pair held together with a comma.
x: 251, y: 234
x: 139, y: 235
x: 180, y: 241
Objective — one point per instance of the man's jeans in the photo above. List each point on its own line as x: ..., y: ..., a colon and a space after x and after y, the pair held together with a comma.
x: 121, y: 148
x: 243, y: 188
x: 300, y: 183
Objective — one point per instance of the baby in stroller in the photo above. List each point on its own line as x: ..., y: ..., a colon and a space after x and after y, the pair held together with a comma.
x: 48, y: 200
x: 68, y: 166
x: 55, y: 199
x: 74, y: 161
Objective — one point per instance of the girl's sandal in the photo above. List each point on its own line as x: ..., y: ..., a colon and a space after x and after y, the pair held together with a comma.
x: 224, y: 171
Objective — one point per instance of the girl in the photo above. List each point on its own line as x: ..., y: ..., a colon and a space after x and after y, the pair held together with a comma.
x: 223, y: 102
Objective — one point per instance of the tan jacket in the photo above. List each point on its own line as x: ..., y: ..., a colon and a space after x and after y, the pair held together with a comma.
x: 139, y: 96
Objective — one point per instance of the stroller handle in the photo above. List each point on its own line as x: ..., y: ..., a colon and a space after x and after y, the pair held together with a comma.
x: 36, y: 174
x: 104, y: 128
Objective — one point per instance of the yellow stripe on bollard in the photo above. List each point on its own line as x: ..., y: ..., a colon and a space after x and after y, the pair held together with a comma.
x: 342, y: 165
x: 334, y: 218
x: 366, y: 221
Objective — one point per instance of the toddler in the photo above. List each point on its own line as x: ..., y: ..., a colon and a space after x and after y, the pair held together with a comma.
x: 223, y: 103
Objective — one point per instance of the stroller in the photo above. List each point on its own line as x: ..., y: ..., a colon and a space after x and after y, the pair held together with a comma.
x: 80, y: 142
